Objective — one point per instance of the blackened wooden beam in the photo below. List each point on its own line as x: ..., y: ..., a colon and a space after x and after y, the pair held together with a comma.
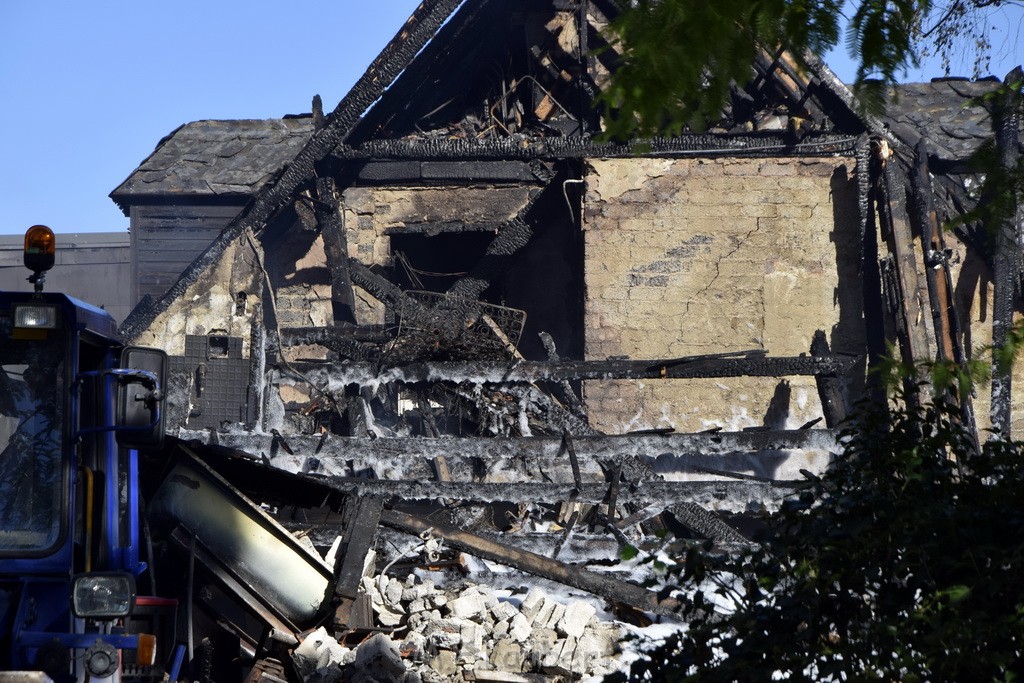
x: 350, y: 341
x: 1006, y: 121
x: 362, y: 515
x: 927, y: 222
x: 589, y: 448
x: 511, y: 238
x: 697, y: 145
x: 534, y: 371
x: 500, y: 171
x: 727, y: 495
x: 706, y: 523
x: 393, y: 59
x: 439, y: 227
x: 370, y: 334
x: 948, y: 341
x: 912, y: 296
x: 380, y: 288
x: 332, y: 229
x: 532, y: 563
x: 567, y: 394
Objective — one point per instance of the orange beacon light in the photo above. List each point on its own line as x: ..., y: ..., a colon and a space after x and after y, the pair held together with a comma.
x: 40, y: 248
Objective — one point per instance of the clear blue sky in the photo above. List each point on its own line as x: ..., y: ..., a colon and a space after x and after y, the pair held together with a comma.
x: 89, y: 88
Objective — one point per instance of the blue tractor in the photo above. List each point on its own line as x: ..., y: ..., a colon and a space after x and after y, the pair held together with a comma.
x: 75, y: 405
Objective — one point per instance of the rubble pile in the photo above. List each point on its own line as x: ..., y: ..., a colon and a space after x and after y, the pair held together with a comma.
x: 470, y: 633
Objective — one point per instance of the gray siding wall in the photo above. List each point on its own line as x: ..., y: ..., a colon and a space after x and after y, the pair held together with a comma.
x: 166, y: 239
x: 93, y: 267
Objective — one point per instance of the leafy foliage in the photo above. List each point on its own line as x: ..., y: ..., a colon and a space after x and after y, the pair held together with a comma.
x: 1002, y: 183
x: 903, y: 562
x: 679, y: 57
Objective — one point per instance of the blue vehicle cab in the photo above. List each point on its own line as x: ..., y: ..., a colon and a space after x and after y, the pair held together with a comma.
x: 74, y: 406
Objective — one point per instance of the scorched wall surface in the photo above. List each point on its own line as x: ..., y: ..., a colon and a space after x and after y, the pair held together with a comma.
x: 702, y: 256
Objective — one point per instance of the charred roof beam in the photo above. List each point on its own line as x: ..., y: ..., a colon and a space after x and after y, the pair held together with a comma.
x: 700, y: 145
x: 447, y: 172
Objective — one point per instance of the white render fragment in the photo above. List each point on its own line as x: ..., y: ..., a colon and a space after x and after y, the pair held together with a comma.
x: 443, y: 634
x: 444, y: 664
x: 472, y: 646
x: 507, y: 655
x: 533, y: 601
x: 393, y: 594
x: 332, y: 554
x: 377, y: 659
x: 557, y: 612
x: 387, y: 617
x: 320, y: 655
x: 418, y: 591
x: 543, y: 614
x: 504, y: 611
x: 575, y: 618
x: 414, y: 646
x: 520, y: 628
x: 500, y: 629
x: 370, y: 563
x: 468, y: 606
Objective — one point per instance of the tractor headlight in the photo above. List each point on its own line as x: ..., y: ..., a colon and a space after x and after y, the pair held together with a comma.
x: 35, y: 316
x: 103, y: 596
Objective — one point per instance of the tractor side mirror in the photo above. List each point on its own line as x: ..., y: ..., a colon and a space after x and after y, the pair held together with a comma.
x: 140, y: 397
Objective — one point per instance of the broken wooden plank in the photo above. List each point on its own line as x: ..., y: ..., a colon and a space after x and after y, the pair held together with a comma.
x: 949, y: 342
x: 362, y: 516
x: 534, y: 371
x: 582, y: 579
x: 512, y: 171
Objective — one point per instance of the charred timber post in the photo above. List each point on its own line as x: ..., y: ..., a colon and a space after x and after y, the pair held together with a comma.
x: 913, y: 292
x: 1006, y: 120
x: 592, y: 582
x: 332, y: 228
x: 830, y: 392
x: 257, y: 370
x: 927, y: 222
x: 362, y: 517
x: 940, y: 283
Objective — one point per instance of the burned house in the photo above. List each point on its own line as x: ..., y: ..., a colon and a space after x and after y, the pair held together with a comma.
x: 448, y: 289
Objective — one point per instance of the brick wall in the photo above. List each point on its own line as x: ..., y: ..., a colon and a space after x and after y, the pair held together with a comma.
x: 704, y: 256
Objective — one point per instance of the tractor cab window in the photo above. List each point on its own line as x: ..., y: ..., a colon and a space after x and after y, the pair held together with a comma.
x: 32, y: 399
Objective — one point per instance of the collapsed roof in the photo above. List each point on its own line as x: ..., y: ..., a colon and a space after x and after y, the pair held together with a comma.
x: 447, y: 290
